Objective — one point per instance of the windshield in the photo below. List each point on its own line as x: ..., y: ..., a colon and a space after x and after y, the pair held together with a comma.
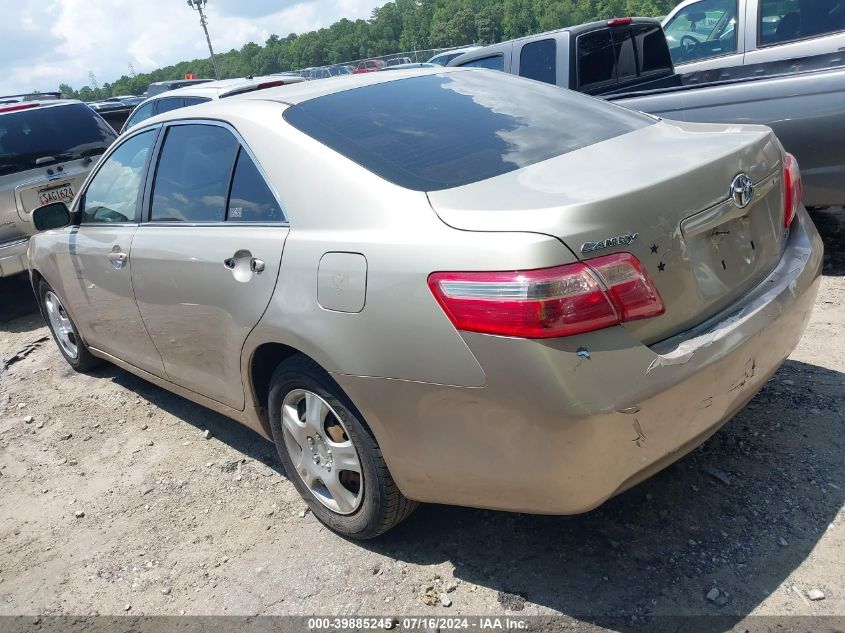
x: 446, y: 130
x: 51, y: 134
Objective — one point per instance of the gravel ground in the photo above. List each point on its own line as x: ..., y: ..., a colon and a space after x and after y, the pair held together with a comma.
x: 112, y: 501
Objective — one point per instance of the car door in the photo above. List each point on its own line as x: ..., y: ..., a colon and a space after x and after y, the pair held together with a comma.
x: 95, y: 266
x: 206, y: 262
x: 786, y: 29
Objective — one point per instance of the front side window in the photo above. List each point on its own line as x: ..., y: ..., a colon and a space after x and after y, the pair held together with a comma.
x: 702, y: 30
x: 251, y: 199
x: 166, y: 105
x: 112, y: 195
x: 192, y: 177
x: 537, y: 61
x: 787, y: 20
x: 141, y: 114
x: 494, y: 62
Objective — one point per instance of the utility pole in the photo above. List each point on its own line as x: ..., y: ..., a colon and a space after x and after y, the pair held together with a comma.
x: 198, y: 5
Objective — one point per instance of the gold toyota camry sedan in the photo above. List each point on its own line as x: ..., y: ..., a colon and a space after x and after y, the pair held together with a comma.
x: 450, y: 285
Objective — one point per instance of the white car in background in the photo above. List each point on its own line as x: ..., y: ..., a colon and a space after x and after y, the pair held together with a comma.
x: 200, y: 93
x: 441, y: 59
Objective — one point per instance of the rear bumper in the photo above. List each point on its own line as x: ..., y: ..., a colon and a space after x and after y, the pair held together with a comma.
x: 556, y: 432
x: 13, y: 257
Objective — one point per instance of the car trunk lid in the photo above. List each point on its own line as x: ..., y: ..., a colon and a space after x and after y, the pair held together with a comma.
x: 661, y: 193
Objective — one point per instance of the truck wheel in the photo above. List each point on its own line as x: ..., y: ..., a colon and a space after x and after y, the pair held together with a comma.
x: 330, y: 455
x: 64, y: 331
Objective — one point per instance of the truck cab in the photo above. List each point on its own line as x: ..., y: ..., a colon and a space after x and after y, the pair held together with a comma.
x: 599, y: 58
x: 708, y: 34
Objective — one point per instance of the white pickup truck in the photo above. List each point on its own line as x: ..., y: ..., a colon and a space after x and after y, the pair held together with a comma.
x: 707, y: 34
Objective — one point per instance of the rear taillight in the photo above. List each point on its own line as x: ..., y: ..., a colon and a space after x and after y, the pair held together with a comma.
x: 20, y: 106
x: 549, y: 302
x: 793, y: 189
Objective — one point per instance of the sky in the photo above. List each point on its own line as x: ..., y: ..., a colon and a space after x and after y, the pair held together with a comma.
x: 47, y: 42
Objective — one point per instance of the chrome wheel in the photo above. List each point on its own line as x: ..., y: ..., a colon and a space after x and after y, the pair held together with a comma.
x: 321, y: 451
x: 60, y: 324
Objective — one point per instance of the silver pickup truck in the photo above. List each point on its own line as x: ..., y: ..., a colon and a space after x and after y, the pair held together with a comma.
x: 627, y: 61
x: 47, y: 148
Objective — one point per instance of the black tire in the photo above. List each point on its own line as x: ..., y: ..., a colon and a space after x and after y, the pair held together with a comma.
x: 383, y: 505
x: 84, y: 360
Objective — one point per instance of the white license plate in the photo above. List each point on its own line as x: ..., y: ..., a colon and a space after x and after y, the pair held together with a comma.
x: 62, y: 193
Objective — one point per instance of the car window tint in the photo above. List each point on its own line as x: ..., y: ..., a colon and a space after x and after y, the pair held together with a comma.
x: 623, y: 48
x: 166, y: 105
x: 251, y: 199
x: 494, y: 62
x: 143, y: 113
x: 596, y: 59
x: 537, y: 61
x: 189, y: 101
x: 438, y: 131
x: 112, y: 195
x: 787, y: 20
x: 50, y: 134
x: 701, y: 30
x: 192, y: 177
x: 652, y: 51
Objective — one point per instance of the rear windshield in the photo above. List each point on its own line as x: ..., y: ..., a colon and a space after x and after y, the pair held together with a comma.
x: 55, y: 133
x: 446, y: 130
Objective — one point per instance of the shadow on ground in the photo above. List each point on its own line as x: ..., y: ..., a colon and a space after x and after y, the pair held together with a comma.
x: 831, y: 225
x: 18, y: 308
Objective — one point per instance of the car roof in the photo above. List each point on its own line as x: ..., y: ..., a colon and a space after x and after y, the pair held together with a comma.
x: 300, y: 92
x: 33, y: 105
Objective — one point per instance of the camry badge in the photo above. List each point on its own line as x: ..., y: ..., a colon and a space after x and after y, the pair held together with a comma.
x: 619, y: 240
x: 742, y: 191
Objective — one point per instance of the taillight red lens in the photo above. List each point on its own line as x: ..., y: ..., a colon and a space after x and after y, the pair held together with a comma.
x: 793, y: 189
x: 619, y: 21
x: 550, y: 302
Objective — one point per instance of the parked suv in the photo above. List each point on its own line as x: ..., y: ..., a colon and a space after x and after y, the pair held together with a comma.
x: 206, y: 91
x: 47, y: 149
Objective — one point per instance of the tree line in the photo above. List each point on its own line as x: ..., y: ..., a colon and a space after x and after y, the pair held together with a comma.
x: 401, y: 25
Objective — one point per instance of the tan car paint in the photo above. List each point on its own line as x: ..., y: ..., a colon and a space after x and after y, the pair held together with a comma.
x: 543, y: 426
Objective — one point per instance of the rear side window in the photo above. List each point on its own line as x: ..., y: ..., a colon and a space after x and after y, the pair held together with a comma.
x: 787, y: 20
x: 189, y: 101
x: 537, y: 61
x: 439, y: 131
x: 192, y: 178
x: 494, y: 62
x: 596, y: 59
x: 55, y: 133
x: 251, y: 199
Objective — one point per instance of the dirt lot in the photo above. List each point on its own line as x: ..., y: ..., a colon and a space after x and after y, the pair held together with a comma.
x: 175, y: 523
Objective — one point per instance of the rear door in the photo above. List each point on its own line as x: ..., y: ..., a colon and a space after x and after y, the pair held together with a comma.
x: 205, y: 263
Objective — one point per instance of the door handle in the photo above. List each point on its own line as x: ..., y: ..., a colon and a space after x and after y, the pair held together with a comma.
x: 118, y: 260
x: 256, y: 266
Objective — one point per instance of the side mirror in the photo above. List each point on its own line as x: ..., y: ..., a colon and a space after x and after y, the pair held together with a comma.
x: 51, y: 216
